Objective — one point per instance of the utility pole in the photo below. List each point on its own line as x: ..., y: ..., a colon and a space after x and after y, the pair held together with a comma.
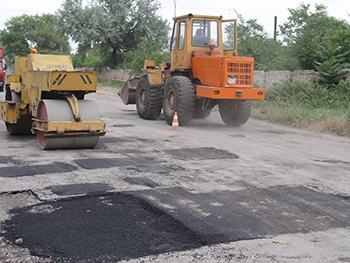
x: 275, y: 29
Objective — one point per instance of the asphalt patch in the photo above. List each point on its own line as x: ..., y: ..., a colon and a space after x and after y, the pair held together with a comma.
x: 201, y: 153
x: 78, y: 189
x: 30, y: 170
x: 109, y: 140
x: 141, y: 181
x: 119, y: 226
x: 10, y: 159
x: 99, y: 163
x: 103, y: 228
x: 226, y: 216
x: 123, y: 125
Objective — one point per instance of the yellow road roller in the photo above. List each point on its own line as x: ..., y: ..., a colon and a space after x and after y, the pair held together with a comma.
x: 45, y: 96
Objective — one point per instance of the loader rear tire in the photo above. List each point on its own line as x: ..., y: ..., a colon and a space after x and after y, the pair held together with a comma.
x: 148, y: 100
x: 235, y: 112
x: 179, y: 96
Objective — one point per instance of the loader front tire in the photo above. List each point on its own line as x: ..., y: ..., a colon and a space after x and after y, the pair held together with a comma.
x: 199, y: 112
x: 235, y: 112
x: 148, y: 100
x: 179, y: 95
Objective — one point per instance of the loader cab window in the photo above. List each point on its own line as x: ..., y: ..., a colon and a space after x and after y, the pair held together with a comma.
x: 203, y: 31
x: 173, y: 37
x: 181, y: 40
x: 178, y: 40
x: 229, y: 35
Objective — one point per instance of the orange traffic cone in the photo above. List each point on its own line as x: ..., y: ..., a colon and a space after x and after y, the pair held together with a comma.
x: 175, y: 124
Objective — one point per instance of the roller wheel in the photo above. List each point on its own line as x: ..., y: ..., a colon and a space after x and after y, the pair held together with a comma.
x: 23, y: 126
x: 24, y: 123
x: 179, y: 96
x: 148, y: 100
x: 235, y: 112
x: 59, y: 110
x: 200, y: 113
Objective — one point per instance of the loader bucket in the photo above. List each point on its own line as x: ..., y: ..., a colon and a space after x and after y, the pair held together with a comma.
x: 128, y: 92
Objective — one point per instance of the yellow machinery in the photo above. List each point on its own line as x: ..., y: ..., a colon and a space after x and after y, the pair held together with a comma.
x: 45, y: 96
x: 204, y: 71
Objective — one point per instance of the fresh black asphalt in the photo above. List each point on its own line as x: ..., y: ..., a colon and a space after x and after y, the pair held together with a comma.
x: 107, y: 227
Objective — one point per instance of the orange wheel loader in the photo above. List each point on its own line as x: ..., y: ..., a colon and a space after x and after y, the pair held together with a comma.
x: 205, y: 71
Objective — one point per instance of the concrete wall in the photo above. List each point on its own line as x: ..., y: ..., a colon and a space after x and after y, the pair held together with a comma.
x: 106, y: 74
x: 265, y: 79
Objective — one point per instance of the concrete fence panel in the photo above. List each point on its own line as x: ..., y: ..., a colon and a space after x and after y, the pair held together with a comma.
x: 264, y: 79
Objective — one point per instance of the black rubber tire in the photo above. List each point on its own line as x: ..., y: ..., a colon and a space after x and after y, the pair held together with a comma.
x: 1, y: 88
x: 198, y: 112
x: 235, y: 112
x: 179, y: 95
x: 23, y: 125
x: 148, y: 100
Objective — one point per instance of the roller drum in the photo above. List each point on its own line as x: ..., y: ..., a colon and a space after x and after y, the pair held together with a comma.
x: 60, y: 110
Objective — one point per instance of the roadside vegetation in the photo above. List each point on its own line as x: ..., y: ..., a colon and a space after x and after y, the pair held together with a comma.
x: 122, y: 34
x: 307, y: 106
x: 115, y: 84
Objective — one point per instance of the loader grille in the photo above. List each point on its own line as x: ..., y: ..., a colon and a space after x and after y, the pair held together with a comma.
x: 243, y: 72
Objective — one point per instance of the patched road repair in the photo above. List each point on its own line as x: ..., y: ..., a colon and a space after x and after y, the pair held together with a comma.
x: 204, y: 193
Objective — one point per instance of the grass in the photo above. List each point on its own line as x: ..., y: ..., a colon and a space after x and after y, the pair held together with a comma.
x: 307, y: 106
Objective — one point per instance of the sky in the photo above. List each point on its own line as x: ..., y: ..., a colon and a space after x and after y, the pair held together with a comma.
x: 263, y: 11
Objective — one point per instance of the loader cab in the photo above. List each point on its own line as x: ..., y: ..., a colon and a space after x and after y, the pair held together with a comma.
x: 204, y: 34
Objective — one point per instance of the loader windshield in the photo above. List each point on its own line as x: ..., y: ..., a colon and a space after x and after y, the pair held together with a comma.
x: 203, y: 31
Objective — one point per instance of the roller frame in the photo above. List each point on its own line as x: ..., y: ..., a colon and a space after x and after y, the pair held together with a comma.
x: 69, y: 128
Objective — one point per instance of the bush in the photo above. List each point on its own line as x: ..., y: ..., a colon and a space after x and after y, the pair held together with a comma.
x: 308, y: 106
x: 311, y: 95
x: 330, y: 62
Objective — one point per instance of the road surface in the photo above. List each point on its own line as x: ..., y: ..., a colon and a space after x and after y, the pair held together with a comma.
x: 204, y: 193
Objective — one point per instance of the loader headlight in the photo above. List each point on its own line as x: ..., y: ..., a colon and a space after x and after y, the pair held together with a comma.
x: 231, y: 80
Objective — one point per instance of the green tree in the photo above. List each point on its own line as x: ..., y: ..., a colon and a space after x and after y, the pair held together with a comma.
x: 41, y: 32
x: 112, y: 26
x: 253, y: 41
x: 151, y: 50
x: 305, y: 31
x: 92, y: 59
